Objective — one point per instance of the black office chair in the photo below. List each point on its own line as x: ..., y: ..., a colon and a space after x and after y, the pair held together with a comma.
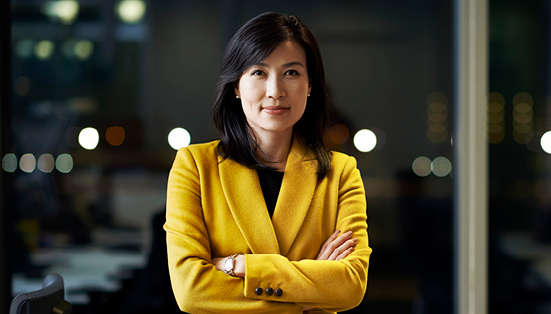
x: 48, y: 300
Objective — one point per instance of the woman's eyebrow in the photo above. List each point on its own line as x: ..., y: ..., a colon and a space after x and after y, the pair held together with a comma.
x: 286, y: 65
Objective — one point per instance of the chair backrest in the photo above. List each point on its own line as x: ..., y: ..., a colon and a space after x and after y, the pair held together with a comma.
x: 48, y: 300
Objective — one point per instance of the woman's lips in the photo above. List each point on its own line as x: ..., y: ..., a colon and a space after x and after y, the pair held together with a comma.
x: 275, y: 110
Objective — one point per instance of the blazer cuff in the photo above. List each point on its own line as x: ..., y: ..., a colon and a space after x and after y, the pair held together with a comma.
x: 258, y: 284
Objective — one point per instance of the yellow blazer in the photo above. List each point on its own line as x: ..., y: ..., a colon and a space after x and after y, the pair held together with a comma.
x: 216, y: 208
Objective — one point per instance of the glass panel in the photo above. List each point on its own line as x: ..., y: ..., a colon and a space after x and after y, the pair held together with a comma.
x: 99, y: 86
x: 518, y: 119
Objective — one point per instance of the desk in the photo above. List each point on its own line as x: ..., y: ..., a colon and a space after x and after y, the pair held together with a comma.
x: 83, y: 268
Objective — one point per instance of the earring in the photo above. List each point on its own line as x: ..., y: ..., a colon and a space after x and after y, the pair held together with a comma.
x: 308, y: 94
x: 236, y: 96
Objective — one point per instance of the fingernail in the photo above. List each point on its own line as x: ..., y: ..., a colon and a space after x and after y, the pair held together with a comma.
x: 349, y: 233
x: 355, y: 240
x: 338, y: 231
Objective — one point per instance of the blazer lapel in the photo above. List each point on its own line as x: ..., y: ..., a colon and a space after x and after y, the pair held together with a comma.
x: 246, y: 201
x: 295, y: 195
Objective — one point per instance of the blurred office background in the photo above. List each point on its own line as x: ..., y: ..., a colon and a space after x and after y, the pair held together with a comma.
x: 102, y: 92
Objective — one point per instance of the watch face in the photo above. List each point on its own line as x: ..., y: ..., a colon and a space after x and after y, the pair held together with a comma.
x: 228, y: 265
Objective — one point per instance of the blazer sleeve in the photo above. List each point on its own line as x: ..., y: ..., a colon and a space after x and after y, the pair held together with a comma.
x: 328, y: 285
x: 197, y: 285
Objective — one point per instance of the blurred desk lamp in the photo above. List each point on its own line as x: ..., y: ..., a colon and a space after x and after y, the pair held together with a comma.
x: 48, y: 300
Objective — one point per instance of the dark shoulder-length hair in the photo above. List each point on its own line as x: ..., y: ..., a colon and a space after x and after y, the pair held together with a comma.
x: 253, y: 43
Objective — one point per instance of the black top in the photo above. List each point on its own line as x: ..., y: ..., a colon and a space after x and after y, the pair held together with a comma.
x: 270, y: 181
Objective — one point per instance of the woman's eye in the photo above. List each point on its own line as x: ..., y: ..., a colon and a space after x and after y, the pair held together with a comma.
x: 291, y: 72
x: 257, y: 73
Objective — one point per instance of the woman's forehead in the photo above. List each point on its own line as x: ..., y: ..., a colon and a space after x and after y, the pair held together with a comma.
x: 288, y: 53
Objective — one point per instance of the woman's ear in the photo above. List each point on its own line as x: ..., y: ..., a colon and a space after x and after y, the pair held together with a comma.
x: 236, y: 90
x: 309, y: 86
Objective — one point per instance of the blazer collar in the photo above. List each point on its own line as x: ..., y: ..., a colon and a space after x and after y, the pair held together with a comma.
x: 295, y: 195
x: 246, y: 201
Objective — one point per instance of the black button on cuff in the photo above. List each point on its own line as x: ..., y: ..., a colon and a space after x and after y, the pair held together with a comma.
x: 279, y: 292
x: 269, y: 291
x: 259, y: 291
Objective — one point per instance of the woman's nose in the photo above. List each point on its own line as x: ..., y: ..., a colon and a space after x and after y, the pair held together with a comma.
x: 275, y: 88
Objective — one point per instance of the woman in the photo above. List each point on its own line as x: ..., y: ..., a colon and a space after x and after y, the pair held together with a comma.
x: 254, y: 220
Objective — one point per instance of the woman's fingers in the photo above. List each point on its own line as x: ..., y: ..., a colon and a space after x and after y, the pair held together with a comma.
x: 323, y: 252
x: 345, y: 253
x: 344, y: 249
x: 329, y: 240
x: 336, y: 246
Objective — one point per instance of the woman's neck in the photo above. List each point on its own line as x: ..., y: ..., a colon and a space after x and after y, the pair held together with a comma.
x: 273, y: 148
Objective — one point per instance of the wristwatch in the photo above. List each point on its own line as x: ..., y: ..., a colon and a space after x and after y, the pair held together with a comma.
x: 230, y: 264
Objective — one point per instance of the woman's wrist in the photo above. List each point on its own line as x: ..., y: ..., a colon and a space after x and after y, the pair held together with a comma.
x: 233, y: 265
x: 239, y: 267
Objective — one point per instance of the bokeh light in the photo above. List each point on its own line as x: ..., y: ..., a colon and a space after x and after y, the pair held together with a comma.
x: 437, y: 107
x: 495, y: 97
x: 178, y: 138
x: 46, y: 163
x: 365, y: 140
x: 523, y: 128
x: 83, y: 49
x: 523, y: 97
x: 437, y: 117
x: 437, y: 113
x: 495, y: 128
x: 27, y: 163
x: 439, y: 97
x: 523, y: 138
x: 24, y: 48
x: 523, y: 107
x: 421, y: 166
x: 441, y: 166
x: 131, y: 11
x: 495, y: 107
x: 437, y: 138
x: 545, y: 142
x: 115, y: 135
x: 64, y: 163
x: 88, y: 138
x: 83, y: 105
x: 44, y: 49
x: 79, y: 49
x: 523, y: 118
x: 523, y: 124
x: 495, y: 115
x: 339, y: 134
x: 63, y: 11
x: 437, y: 128
x: 494, y: 118
x: 9, y: 162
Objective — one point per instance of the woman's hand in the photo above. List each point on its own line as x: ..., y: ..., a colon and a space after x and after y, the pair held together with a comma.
x: 336, y: 248
x: 238, y: 267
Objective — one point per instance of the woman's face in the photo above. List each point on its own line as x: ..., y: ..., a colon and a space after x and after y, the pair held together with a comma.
x: 273, y: 93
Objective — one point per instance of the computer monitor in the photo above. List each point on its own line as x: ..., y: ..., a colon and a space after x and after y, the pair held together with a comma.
x: 48, y: 300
